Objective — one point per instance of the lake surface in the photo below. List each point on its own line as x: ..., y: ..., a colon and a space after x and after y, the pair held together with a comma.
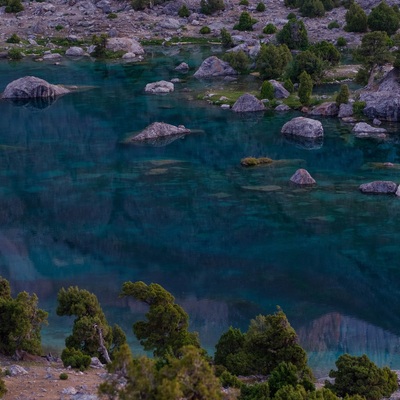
x: 78, y: 207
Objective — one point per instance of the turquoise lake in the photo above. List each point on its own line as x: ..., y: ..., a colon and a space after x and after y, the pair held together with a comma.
x: 78, y: 207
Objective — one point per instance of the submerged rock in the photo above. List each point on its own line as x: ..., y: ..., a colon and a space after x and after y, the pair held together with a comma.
x: 214, y: 67
x: 362, y: 129
x: 303, y: 127
x: 248, y: 103
x: 159, y: 87
x: 158, y: 130
x: 379, y: 187
x: 30, y: 87
x: 302, y: 177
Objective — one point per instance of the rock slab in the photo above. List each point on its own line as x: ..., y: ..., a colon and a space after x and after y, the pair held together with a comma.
x: 303, y: 127
x: 248, y: 103
x: 30, y: 87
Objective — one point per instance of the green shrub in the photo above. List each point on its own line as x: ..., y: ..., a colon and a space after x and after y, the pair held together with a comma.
x: 294, y: 35
x: 267, y: 90
x: 226, y: 38
x: 291, y: 16
x: 288, y: 85
x: 291, y: 3
x: 15, y: 54
x: 362, y: 76
x: 260, y: 7
x: 3, y: 389
x: 360, y: 376
x: 272, y: 60
x: 333, y: 25
x: 58, y: 27
x: 305, y: 88
x: 100, y: 43
x: 383, y: 18
x: 257, y: 391
x: 14, y: 6
x: 312, y: 8
x: 112, y: 16
x: 326, y: 52
x: 358, y: 108
x: 183, y: 11
x: 356, y: 19
x: 205, y: 30
x: 139, y: 4
x: 229, y: 380
x: 209, y: 7
x: 341, y: 41
x: 343, y: 95
x: 75, y: 359
x: 244, y: 3
x: 328, y: 5
x: 245, y: 22
x: 63, y: 376
x: 14, y: 38
x: 305, y: 61
x: 238, y: 60
x: 270, y: 29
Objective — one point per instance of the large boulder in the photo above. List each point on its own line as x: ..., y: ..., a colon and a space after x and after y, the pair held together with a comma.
x: 248, y: 103
x: 156, y: 131
x: 379, y: 187
x: 125, y: 44
x: 327, y: 109
x: 345, y: 110
x: 75, y: 51
x: 30, y: 87
x: 214, y: 67
x: 362, y: 130
x: 303, y: 127
x: 302, y: 177
x: 159, y: 87
x: 279, y: 91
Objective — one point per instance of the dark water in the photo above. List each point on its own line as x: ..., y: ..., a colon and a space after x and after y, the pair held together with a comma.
x: 77, y: 207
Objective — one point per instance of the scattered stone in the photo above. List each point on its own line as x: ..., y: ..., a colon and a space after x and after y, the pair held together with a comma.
x: 303, y: 127
x: 302, y: 177
x: 214, y: 67
x: 32, y: 87
x: 157, y: 130
x: 69, y: 390
x: 328, y: 109
x: 16, y: 370
x: 379, y: 187
x: 377, y: 122
x: 182, y: 67
x: 159, y: 87
x: 279, y: 91
x: 248, y: 103
x: 282, y: 108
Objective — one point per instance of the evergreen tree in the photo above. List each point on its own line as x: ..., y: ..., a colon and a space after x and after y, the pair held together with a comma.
x: 305, y: 88
x: 305, y: 61
x: 312, y: 8
x: 245, y: 22
x: 226, y: 38
x: 293, y: 34
x: 183, y: 11
x: 272, y: 60
x: 356, y: 19
x: 238, y: 60
x: 327, y: 52
x: 343, y: 96
x: 383, y: 18
x: 209, y: 7
x: 267, y: 90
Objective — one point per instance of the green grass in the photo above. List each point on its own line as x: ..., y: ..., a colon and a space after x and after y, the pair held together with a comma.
x: 180, y: 40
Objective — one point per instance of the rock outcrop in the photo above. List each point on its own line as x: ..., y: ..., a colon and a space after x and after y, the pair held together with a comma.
x: 362, y: 130
x: 327, y: 109
x: 126, y: 45
x: 159, y: 87
x: 214, y: 67
x: 302, y: 177
x: 279, y: 91
x: 345, y: 110
x: 248, y: 103
x: 303, y: 127
x: 158, y: 130
x: 379, y: 187
x: 30, y: 87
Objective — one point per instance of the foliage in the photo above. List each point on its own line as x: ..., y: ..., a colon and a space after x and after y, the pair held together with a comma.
x: 13, y: 6
x: 229, y: 380
x: 260, y: 7
x: 165, y: 330
x: 272, y: 60
x: 3, y: 389
x: 20, y: 321
x: 305, y: 61
x: 245, y: 22
x: 14, y: 38
x: 374, y: 50
x: 291, y: 16
x: 327, y: 52
x: 288, y: 85
x: 209, y: 7
x: 63, y: 376
x: 312, y: 8
x: 359, y: 375
x: 362, y: 76
x: 333, y: 25
x: 267, y: 90
x: 90, y: 329
x: 341, y: 41
x: 328, y: 4
x: 183, y: 11
x: 383, y: 18
x: 226, y: 38
x: 238, y: 60
x: 290, y: 392
x: 270, y: 29
x: 291, y: 4
x: 112, y: 16
x: 205, y: 30
x: 356, y: 19
x: 244, y: 3
x: 324, y: 394
x: 293, y: 34
x: 257, y: 391
x: 15, y: 54
x: 189, y: 376
x: 75, y: 359
x: 100, y: 43
x: 305, y: 88
x: 358, y: 108
x: 58, y: 27
x: 343, y: 95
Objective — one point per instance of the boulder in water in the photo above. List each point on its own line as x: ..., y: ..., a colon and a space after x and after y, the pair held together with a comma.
x: 303, y: 127
x: 379, y: 187
x: 158, y: 130
x: 159, y: 87
x: 302, y: 177
x: 248, y: 103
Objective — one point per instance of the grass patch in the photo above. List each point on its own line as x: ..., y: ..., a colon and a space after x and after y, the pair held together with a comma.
x: 180, y: 40
x: 229, y: 95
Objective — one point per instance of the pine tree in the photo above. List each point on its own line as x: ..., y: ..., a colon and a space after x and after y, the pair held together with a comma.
x: 305, y: 88
x: 356, y: 19
x: 343, y: 96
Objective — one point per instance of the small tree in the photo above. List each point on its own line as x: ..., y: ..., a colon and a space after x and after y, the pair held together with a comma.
x: 383, y: 18
x: 238, y: 60
x: 327, y: 52
x: 343, y: 96
x: 312, y: 8
x: 305, y: 61
x: 226, y: 38
x: 305, y: 88
x: 288, y: 85
x: 14, y: 6
x: 183, y: 11
x: 360, y: 376
x: 270, y: 29
x: 260, y: 7
x: 356, y: 19
x: 267, y: 90
x: 272, y: 60
x: 100, y: 43
x: 293, y: 34
x: 245, y: 22
x: 3, y: 389
x: 209, y: 7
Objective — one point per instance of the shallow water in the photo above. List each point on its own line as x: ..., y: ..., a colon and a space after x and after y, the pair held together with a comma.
x: 78, y: 207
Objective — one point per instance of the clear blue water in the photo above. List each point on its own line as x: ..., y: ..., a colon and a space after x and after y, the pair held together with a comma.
x: 77, y: 207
